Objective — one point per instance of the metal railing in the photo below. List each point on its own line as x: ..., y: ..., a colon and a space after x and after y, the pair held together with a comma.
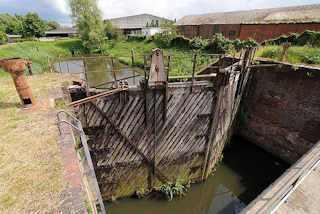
x: 77, y: 126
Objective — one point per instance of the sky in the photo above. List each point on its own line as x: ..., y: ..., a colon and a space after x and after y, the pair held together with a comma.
x: 59, y: 11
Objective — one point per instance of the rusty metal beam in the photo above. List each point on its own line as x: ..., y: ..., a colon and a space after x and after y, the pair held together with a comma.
x: 89, y: 99
x: 158, y: 173
x: 195, y: 76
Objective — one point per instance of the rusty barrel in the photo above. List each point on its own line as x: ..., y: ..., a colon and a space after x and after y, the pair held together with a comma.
x: 16, y: 67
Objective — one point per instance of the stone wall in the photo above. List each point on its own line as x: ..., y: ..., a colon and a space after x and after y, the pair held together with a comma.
x: 281, y: 112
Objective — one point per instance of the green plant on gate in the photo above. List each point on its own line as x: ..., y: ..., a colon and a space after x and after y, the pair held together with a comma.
x: 174, y: 189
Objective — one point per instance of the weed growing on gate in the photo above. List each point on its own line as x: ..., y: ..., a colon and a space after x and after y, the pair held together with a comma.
x: 174, y: 189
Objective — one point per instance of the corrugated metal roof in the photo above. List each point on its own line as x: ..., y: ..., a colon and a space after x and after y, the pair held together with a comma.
x: 62, y: 30
x: 306, y: 13
x: 136, y: 21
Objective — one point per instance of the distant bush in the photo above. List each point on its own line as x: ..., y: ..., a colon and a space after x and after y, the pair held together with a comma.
x: 250, y: 43
x: 3, y: 37
x: 131, y: 38
x: 181, y: 42
x: 238, y: 45
x: 219, y: 44
x: 198, y: 43
x: 163, y: 39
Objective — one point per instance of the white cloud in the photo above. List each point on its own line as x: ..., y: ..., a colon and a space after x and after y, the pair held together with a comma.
x: 61, y: 6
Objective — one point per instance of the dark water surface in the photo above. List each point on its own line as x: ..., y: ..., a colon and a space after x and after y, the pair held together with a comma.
x: 99, y: 71
x: 245, y: 171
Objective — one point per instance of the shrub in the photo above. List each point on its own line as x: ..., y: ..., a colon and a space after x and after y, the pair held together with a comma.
x: 198, y: 44
x: 131, y: 38
x: 307, y: 37
x: 238, y: 45
x: 181, y: 42
x: 219, y: 44
x: 163, y: 39
x: 250, y: 42
x: 3, y: 37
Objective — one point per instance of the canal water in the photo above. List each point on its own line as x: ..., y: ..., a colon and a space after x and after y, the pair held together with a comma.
x: 99, y: 71
x: 244, y: 173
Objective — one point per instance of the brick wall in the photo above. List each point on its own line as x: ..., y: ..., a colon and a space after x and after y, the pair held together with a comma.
x: 261, y: 32
x: 258, y: 32
x: 207, y: 31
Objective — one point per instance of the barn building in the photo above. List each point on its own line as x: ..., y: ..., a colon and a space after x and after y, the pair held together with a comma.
x: 259, y: 24
x: 143, y: 24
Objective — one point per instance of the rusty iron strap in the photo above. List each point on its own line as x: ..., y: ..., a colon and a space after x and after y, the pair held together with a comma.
x: 128, y: 140
x: 89, y: 99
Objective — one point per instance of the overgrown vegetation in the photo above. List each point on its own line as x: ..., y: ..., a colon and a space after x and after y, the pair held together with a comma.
x: 174, y: 189
x: 168, y: 190
x: 310, y: 38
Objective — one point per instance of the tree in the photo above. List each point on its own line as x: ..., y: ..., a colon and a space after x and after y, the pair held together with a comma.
x: 3, y: 35
x: 111, y: 31
x: 33, y: 26
x: 87, y: 18
x: 52, y: 25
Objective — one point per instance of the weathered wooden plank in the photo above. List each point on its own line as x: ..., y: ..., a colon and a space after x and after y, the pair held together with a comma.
x: 158, y: 173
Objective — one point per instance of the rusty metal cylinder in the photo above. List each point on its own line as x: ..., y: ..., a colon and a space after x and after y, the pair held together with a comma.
x: 16, y: 67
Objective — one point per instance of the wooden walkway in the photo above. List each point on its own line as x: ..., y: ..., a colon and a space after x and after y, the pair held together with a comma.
x: 297, y: 191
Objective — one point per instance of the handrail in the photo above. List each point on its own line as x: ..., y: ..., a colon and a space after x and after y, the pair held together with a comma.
x: 83, y: 138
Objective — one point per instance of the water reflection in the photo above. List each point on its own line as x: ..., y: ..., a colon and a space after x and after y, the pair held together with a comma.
x: 99, y: 71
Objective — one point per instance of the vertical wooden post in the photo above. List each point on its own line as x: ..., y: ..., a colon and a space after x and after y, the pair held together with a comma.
x: 114, y: 72
x: 29, y: 67
x: 132, y: 56
x: 49, y: 64
x: 284, y: 51
x: 85, y: 75
x: 145, y: 67
x: 68, y: 67
x: 60, y: 64
x: 193, y: 70
x: 145, y: 90
x: 168, y: 71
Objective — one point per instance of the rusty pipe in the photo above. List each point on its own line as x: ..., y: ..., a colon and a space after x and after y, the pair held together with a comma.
x: 16, y: 67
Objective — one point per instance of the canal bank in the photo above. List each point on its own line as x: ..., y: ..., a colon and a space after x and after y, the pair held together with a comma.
x: 245, y: 171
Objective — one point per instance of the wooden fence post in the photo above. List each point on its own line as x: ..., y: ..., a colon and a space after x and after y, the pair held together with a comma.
x: 49, y: 64
x: 132, y: 56
x: 193, y: 70
x: 114, y: 72
x: 284, y: 51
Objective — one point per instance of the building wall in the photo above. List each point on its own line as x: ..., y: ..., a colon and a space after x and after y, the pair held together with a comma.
x: 258, y: 32
x: 207, y: 31
x: 261, y: 32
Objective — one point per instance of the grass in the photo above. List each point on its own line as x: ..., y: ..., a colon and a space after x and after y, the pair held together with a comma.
x: 30, y: 165
x: 180, y: 65
x: 37, y: 52
x: 295, y: 54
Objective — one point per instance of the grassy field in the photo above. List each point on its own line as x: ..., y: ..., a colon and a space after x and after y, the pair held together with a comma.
x: 295, y: 54
x: 37, y: 52
x: 30, y: 165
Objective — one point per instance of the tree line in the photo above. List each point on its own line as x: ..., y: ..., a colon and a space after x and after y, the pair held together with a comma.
x: 30, y: 25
